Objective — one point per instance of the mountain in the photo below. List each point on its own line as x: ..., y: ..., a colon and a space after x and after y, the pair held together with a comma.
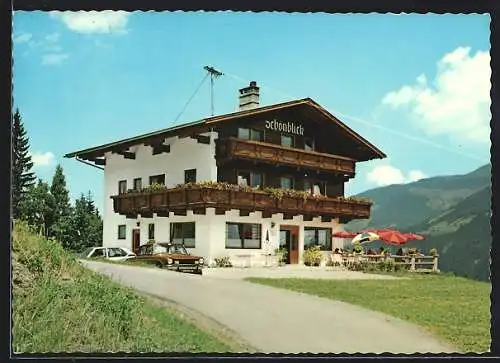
x: 452, y: 211
x: 404, y: 205
x: 462, y: 236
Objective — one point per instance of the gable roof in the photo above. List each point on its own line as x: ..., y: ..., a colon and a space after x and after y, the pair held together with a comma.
x: 206, y: 123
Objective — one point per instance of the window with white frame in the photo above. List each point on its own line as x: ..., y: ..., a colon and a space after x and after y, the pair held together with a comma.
x: 183, y: 233
x: 243, y: 235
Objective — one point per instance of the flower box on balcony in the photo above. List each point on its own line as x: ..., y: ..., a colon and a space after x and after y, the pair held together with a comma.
x: 226, y: 196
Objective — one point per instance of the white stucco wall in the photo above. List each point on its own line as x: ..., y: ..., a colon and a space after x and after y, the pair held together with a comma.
x: 185, y: 153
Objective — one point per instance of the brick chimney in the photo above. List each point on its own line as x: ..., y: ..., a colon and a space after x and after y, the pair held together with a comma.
x: 249, y: 97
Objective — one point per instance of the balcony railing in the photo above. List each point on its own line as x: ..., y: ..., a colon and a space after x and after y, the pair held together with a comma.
x: 234, y: 148
x: 178, y: 200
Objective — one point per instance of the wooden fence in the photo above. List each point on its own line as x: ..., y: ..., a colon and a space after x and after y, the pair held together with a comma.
x: 414, y: 262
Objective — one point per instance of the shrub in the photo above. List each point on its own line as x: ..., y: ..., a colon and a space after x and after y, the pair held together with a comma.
x: 154, y: 188
x: 224, y: 261
x: 313, y: 256
x: 357, y: 248
x: 281, y: 253
x: 358, y: 266
x: 433, y: 252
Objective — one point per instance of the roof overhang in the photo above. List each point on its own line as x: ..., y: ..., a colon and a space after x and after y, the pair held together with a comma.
x: 192, y: 129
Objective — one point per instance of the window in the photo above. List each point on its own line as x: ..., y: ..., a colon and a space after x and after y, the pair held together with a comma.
x: 286, y: 182
x: 321, y: 237
x: 122, y: 231
x: 183, y: 233
x: 315, y: 188
x: 243, y: 235
x: 308, y: 186
x: 243, y: 133
x: 137, y: 183
x: 116, y: 252
x: 318, y: 188
x: 122, y: 186
x: 308, y: 144
x: 151, y: 231
x: 287, y: 140
x: 190, y: 176
x: 250, y: 134
x: 157, y: 179
x: 249, y: 178
x: 99, y: 252
x: 256, y: 135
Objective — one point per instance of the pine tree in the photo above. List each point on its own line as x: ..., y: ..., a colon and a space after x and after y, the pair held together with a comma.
x: 22, y: 176
x: 36, y: 207
x: 60, y: 194
x: 86, y: 224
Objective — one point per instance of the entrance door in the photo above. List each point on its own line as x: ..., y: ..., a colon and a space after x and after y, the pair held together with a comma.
x: 136, y: 240
x: 289, y: 240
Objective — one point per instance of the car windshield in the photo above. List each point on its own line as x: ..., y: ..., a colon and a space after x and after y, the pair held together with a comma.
x: 178, y: 249
x: 86, y: 252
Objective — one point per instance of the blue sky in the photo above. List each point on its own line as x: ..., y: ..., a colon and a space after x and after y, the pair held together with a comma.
x: 417, y: 86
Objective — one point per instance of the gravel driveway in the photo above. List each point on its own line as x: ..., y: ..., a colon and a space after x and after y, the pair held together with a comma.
x: 276, y: 320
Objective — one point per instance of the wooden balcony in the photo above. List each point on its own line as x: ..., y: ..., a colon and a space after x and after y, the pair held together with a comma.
x: 234, y: 148
x: 179, y: 200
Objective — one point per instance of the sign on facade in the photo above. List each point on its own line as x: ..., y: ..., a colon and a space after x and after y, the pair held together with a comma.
x: 289, y: 127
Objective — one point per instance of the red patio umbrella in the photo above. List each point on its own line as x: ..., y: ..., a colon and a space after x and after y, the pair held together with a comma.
x: 392, y: 236
x: 344, y: 234
x: 414, y: 236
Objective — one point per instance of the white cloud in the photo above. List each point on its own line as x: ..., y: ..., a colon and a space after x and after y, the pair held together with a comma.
x: 22, y: 38
x: 382, y: 175
x: 53, y: 59
x: 457, y: 103
x: 42, y: 159
x: 415, y: 175
x: 53, y: 38
x: 88, y: 22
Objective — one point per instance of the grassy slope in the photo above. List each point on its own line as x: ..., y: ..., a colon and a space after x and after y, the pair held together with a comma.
x: 454, y: 308
x: 58, y: 305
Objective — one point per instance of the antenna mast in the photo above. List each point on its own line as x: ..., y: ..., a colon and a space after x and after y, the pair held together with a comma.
x: 213, y: 74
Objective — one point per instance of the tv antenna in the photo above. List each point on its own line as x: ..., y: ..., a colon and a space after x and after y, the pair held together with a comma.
x: 214, y: 73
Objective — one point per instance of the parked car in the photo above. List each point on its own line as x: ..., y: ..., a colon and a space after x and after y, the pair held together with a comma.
x: 172, y: 256
x: 110, y: 253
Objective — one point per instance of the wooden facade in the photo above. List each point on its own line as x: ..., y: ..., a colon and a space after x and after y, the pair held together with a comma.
x: 179, y: 200
x: 233, y: 148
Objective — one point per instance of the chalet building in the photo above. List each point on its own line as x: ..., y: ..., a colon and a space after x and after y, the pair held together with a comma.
x: 237, y: 185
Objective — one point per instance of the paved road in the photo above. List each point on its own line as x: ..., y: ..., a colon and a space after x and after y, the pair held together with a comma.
x: 276, y: 320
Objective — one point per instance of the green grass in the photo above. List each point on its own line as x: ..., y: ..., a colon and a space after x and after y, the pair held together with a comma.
x: 455, y: 309
x: 58, y: 305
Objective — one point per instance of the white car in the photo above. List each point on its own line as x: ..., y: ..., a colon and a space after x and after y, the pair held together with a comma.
x: 110, y: 253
